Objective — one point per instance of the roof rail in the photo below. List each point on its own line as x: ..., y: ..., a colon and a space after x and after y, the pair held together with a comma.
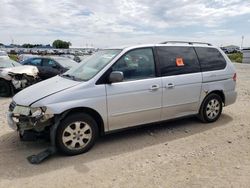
x: 191, y: 43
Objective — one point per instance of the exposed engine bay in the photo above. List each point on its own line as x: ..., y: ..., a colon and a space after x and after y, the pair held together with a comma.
x: 22, y: 76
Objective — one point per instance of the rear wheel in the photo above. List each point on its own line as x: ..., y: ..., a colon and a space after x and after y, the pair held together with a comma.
x: 211, y: 108
x: 5, y: 88
x: 76, y: 134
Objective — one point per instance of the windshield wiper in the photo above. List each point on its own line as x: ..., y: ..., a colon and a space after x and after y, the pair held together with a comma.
x: 68, y: 76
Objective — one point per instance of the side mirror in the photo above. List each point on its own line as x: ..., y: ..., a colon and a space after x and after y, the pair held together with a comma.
x: 116, y: 76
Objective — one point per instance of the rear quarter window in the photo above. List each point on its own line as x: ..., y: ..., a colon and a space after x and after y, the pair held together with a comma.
x: 175, y: 60
x: 210, y: 59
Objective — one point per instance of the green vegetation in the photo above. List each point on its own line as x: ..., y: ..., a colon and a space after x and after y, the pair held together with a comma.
x: 13, y: 57
x: 31, y: 45
x: 61, y: 44
x: 236, y: 57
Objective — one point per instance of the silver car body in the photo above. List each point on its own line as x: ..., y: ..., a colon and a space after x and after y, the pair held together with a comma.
x: 147, y: 100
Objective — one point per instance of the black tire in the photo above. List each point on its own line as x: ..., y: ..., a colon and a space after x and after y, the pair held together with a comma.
x: 5, y: 88
x: 207, y: 106
x: 78, y: 141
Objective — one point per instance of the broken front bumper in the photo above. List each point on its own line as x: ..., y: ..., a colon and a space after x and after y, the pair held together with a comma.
x: 23, y: 123
x: 21, y: 118
x: 12, y: 124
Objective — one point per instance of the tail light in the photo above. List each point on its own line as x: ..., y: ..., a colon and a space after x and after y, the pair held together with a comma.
x: 235, y: 77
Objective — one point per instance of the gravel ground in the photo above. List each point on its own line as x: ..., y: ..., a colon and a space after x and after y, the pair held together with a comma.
x: 180, y: 153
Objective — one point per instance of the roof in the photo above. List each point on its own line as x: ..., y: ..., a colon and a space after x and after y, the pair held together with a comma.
x: 167, y: 43
x: 231, y: 46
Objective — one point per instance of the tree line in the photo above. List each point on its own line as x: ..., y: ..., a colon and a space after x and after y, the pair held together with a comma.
x: 56, y: 44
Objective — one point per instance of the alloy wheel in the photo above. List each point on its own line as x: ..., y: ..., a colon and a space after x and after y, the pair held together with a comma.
x: 77, y: 135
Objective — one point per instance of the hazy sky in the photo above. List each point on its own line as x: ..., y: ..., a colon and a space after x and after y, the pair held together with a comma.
x: 122, y: 22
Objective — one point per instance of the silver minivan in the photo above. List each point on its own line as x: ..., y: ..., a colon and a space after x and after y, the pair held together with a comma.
x: 120, y: 88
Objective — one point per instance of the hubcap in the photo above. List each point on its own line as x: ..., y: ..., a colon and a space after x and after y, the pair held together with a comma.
x: 77, y: 135
x: 213, y: 108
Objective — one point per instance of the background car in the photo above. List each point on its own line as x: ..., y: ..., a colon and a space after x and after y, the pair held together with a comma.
x: 5, y: 64
x: 3, y: 54
x: 50, y: 66
x: 31, y: 71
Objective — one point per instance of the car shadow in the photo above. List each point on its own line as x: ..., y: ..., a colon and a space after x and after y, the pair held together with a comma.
x: 4, y: 98
x: 13, y: 163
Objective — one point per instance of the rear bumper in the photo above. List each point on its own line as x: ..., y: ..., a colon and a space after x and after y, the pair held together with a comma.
x: 230, y: 97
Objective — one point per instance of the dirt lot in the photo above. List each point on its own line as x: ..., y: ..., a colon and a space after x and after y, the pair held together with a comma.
x: 182, y: 153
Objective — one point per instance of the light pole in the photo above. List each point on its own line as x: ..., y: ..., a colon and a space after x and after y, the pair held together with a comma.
x: 242, y: 40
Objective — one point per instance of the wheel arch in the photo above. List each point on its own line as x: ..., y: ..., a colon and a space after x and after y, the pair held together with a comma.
x: 10, y: 85
x: 93, y: 113
x: 220, y: 93
x: 201, y: 109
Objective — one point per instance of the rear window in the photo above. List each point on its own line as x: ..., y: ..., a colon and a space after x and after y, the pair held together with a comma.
x: 210, y: 59
x: 65, y: 62
x: 176, y: 60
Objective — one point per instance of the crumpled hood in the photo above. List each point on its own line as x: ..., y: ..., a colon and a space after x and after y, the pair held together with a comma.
x: 25, y: 69
x: 4, y: 73
x: 43, y: 89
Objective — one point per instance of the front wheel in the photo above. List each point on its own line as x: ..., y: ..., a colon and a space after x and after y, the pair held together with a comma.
x: 211, y: 108
x: 5, y: 88
x: 76, y: 134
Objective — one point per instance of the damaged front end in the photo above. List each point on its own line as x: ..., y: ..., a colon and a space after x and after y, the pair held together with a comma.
x: 33, y: 123
x: 23, y: 76
x: 23, y: 119
x: 21, y: 81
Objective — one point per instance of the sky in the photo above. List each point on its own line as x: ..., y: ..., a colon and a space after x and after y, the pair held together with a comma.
x: 112, y: 23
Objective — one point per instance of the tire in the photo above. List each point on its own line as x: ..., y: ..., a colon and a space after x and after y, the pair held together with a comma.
x: 76, y: 134
x: 5, y: 88
x: 211, y: 108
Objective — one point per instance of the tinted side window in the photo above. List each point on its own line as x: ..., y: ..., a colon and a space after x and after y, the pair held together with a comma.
x: 176, y: 60
x: 36, y: 62
x: 136, y: 64
x: 210, y: 59
x: 49, y: 63
x: 25, y: 62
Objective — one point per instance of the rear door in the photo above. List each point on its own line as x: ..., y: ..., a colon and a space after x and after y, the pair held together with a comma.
x: 136, y: 100
x: 182, y: 79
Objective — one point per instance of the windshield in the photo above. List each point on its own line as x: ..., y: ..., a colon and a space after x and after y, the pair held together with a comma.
x: 7, y: 63
x: 90, y: 66
x: 65, y: 62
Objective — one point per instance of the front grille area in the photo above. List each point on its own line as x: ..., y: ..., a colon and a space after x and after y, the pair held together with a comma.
x: 12, y: 106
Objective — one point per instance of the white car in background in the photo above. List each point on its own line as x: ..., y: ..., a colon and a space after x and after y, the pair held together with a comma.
x: 14, y: 76
x: 3, y: 54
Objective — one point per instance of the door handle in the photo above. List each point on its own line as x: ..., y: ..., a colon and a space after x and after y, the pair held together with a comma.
x: 170, y: 85
x: 154, y: 87
x: 212, y: 75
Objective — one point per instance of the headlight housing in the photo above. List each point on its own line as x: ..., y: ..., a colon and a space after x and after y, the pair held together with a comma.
x: 37, y: 111
x: 27, y: 111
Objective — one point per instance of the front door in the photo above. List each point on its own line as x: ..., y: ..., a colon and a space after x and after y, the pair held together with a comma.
x: 136, y: 100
